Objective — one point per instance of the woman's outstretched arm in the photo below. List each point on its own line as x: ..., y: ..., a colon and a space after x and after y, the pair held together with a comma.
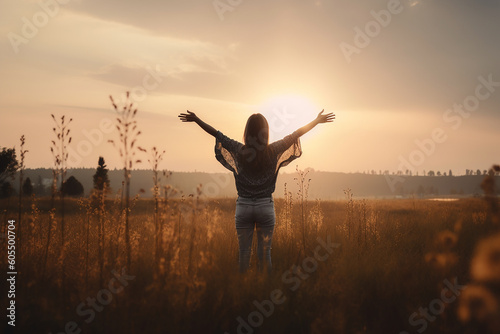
x: 319, y: 119
x: 191, y: 117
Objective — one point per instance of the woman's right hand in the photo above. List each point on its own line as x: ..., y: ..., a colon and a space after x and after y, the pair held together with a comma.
x: 189, y: 117
x: 326, y: 118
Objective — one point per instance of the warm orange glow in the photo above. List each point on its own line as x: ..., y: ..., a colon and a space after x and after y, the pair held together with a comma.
x: 286, y: 113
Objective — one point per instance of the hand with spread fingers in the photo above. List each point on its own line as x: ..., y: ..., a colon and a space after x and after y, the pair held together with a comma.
x: 326, y: 118
x: 321, y: 118
x: 189, y: 117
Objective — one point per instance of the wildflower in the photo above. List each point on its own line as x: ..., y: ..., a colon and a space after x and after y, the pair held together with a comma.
x: 477, y: 304
x: 441, y: 260
x: 446, y: 240
x: 485, y: 266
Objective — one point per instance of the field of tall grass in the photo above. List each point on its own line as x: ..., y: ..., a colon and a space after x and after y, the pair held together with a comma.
x: 352, y: 266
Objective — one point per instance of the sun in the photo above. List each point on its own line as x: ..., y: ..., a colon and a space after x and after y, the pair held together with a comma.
x: 287, y: 113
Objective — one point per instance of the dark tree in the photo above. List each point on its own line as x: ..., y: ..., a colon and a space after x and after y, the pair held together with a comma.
x: 450, y: 173
x: 27, y: 187
x: 101, y: 179
x: 72, y: 187
x: 431, y: 173
x: 8, y: 163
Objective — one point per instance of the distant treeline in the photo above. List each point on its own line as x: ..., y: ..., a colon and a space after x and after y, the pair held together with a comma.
x: 323, y: 185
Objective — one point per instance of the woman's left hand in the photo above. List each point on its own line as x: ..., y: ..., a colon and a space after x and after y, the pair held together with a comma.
x: 325, y: 118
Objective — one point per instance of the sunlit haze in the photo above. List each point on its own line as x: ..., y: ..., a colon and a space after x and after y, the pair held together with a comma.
x: 413, y: 84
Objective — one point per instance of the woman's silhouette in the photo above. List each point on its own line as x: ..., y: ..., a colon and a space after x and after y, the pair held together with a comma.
x: 255, y: 165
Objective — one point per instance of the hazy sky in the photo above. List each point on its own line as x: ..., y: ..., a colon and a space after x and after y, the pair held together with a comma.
x: 414, y: 84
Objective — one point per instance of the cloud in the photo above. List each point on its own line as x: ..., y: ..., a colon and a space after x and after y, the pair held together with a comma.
x: 426, y: 57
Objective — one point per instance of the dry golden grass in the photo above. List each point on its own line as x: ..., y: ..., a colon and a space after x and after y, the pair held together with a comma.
x: 392, y: 259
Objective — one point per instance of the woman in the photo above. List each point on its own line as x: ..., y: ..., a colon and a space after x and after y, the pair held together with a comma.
x: 255, y: 165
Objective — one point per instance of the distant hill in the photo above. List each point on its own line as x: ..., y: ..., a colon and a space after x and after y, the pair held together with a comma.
x: 323, y: 185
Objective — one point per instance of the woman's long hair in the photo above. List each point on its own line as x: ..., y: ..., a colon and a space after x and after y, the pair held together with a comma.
x: 255, y: 154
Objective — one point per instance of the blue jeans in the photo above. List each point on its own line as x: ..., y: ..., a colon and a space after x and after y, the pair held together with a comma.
x: 255, y: 213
